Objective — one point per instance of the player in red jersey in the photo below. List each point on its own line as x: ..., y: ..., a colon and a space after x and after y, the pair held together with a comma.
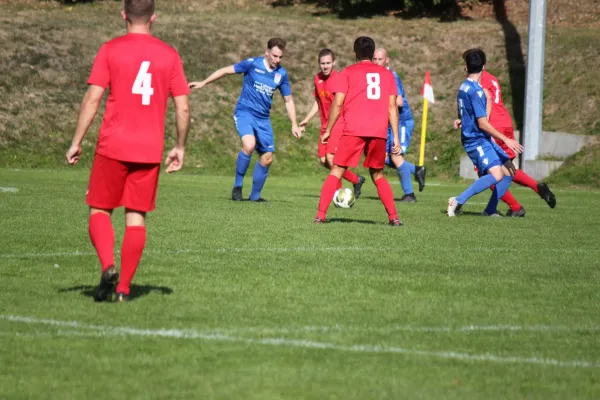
x: 322, y: 104
x: 141, y: 71
x: 365, y: 94
x: 500, y: 119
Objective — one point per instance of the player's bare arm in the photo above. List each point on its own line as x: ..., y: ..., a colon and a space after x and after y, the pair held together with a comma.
x: 291, y: 111
x: 218, y: 74
x: 394, y: 118
x: 485, y: 126
x: 334, y: 113
x: 488, y: 103
x: 87, y: 112
x: 174, y: 160
x: 311, y: 114
x: 399, y: 101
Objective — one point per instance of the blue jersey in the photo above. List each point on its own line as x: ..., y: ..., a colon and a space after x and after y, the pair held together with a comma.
x: 471, y: 106
x: 404, y: 111
x: 260, y: 82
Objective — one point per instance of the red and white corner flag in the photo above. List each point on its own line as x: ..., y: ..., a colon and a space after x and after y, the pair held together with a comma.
x: 427, y: 89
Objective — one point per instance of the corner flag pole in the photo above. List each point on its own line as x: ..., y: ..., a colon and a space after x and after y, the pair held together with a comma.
x: 427, y: 93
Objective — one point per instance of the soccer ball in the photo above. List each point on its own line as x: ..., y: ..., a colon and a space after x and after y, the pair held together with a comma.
x: 343, y: 198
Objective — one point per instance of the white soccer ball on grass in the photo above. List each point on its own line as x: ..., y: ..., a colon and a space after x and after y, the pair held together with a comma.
x: 343, y: 198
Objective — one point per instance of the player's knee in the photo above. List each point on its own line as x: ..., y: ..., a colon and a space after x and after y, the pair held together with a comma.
x: 497, y: 173
x: 323, y: 161
x: 248, y: 149
x: 376, y: 174
x: 266, y: 159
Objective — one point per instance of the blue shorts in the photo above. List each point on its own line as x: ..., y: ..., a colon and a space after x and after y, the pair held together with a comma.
x: 405, y: 131
x: 248, y: 124
x: 486, y: 154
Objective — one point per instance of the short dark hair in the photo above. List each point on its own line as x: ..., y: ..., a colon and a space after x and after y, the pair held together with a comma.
x: 138, y: 10
x: 475, y: 60
x: 364, y: 47
x: 326, y: 52
x: 276, y: 42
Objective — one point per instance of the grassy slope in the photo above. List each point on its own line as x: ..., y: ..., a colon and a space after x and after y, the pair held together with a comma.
x: 44, y: 67
x: 367, y: 282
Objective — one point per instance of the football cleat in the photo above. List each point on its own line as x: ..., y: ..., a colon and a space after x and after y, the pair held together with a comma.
x: 358, y: 186
x: 494, y: 214
x: 396, y: 222
x: 520, y: 213
x: 408, y: 198
x: 420, y: 177
x: 236, y: 193
x: 121, y: 297
x: 546, y: 194
x: 259, y: 200
x: 453, y: 207
x: 318, y: 220
x: 108, y: 280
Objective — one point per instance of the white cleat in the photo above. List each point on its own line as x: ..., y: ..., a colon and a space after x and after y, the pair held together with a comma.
x: 494, y: 214
x: 453, y: 207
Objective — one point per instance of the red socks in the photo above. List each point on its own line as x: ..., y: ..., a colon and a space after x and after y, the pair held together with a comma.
x: 525, y: 180
x: 384, y: 190
x: 509, y: 199
x: 350, y: 177
x: 102, y: 235
x: 327, y: 192
x: 131, y: 253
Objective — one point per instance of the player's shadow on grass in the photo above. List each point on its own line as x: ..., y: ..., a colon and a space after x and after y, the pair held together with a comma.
x: 350, y: 220
x: 135, y: 291
x: 396, y: 199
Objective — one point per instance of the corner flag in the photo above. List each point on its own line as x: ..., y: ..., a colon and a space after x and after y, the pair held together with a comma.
x: 427, y: 93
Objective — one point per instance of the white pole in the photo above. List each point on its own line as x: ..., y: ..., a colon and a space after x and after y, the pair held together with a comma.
x: 532, y: 129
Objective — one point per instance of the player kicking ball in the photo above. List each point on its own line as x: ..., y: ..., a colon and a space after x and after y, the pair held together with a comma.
x: 262, y: 77
x: 407, y: 123
x: 322, y: 105
x: 366, y: 95
x: 476, y: 133
x: 142, y: 72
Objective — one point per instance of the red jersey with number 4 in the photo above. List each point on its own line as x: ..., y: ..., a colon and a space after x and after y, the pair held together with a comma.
x: 499, y: 116
x: 324, y: 97
x: 367, y: 87
x: 141, y: 72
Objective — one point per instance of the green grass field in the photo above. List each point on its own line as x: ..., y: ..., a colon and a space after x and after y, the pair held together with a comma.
x: 253, y: 301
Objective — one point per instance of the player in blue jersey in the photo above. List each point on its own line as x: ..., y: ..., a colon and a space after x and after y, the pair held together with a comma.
x: 262, y: 77
x: 407, y: 124
x: 476, y: 136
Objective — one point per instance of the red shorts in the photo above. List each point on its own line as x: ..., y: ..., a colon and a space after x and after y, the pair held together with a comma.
x: 509, y: 132
x: 331, y: 146
x: 350, y: 149
x: 116, y: 183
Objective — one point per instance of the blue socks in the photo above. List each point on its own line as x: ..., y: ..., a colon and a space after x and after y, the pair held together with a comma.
x: 499, y: 191
x: 241, y: 166
x: 405, y: 174
x: 258, y: 180
x: 476, y: 187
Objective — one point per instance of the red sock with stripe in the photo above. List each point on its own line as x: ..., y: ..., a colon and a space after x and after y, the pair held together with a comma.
x: 102, y: 236
x: 525, y: 180
x: 384, y: 190
x: 131, y: 254
x: 327, y: 192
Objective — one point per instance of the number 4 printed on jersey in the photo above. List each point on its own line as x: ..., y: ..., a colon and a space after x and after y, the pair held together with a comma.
x: 143, y: 83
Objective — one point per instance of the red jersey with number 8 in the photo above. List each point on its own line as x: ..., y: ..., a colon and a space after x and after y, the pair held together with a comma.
x: 499, y: 116
x: 367, y: 87
x: 141, y: 72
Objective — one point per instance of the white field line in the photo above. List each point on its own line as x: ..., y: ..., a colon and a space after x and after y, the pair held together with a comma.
x: 306, y: 344
x: 215, y: 250
x: 8, y: 189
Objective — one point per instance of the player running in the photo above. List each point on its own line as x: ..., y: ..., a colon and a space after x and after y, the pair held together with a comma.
x: 407, y: 124
x: 322, y: 104
x: 141, y: 71
x: 365, y: 95
x: 476, y: 133
x: 262, y: 76
x: 500, y: 118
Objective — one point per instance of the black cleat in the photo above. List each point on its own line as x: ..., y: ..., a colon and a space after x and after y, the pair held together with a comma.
x: 121, y: 298
x: 259, y: 200
x: 358, y: 186
x: 520, y: 213
x: 318, y: 220
x: 546, y: 194
x: 420, y: 177
x: 408, y: 198
x: 396, y: 222
x: 108, y: 280
x: 236, y: 193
